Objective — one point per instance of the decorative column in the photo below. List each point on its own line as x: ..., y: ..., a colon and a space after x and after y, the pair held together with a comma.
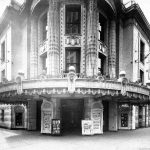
x: 34, y: 49
x: 91, y: 54
x: 112, y: 49
x: 53, y: 38
x: 147, y: 115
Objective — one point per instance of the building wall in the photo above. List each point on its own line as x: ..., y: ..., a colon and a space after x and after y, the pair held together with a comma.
x: 7, y: 116
x: 137, y: 65
x: 7, y: 65
x: 19, y: 48
x: 126, y: 59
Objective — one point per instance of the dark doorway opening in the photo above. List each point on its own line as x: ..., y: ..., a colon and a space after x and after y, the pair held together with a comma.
x: 19, y: 119
x: 71, y: 114
x: 38, y: 116
x: 105, y: 115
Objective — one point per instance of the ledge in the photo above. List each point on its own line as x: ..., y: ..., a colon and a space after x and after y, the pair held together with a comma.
x: 59, y: 86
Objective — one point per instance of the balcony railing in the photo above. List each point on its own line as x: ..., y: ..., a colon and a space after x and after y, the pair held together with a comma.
x: 102, y: 48
x: 43, y: 47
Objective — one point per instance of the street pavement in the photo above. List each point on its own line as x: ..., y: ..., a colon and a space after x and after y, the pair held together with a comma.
x: 33, y: 140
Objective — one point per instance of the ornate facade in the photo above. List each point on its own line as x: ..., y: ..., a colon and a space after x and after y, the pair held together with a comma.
x: 74, y: 62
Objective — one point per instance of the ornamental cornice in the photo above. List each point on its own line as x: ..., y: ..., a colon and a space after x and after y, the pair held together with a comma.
x: 66, y: 87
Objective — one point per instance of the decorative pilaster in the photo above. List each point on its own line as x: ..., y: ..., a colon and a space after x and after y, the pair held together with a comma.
x: 91, y: 54
x: 112, y: 50
x: 34, y: 50
x: 53, y: 38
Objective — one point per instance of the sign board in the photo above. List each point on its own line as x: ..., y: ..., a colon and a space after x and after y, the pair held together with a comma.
x: 46, y: 122
x: 87, y: 127
x: 46, y: 116
x: 56, y: 127
x: 97, y: 117
x: 96, y: 114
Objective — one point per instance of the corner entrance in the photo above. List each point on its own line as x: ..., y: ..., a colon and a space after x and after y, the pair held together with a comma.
x: 72, y: 114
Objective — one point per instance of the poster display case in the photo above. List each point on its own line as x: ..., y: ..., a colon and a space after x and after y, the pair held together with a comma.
x: 56, y: 127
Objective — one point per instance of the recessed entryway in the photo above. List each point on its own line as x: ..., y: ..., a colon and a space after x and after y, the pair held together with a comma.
x: 72, y: 114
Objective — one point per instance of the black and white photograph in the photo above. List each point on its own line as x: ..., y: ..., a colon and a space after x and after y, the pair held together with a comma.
x: 74, y: 74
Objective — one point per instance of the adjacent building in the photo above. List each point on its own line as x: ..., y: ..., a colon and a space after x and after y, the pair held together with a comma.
x: 81, y: 63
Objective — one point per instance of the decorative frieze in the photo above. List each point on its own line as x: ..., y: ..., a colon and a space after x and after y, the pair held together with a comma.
x: 72, y: 41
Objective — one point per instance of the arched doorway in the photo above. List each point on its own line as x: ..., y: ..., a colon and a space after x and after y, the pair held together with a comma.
x: 71, y: 115
x: 19, y: 117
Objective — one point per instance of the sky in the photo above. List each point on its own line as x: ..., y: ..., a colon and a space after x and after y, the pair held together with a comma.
x: 144, y: 4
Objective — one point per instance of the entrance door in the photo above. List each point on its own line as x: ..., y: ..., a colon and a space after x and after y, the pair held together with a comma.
x: 72, y: 112
x: 19, y: 119
x: 124, y: 119
x: 38, y: 115
x: 105, y: 115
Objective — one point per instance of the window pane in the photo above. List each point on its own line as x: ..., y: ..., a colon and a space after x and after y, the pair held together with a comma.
x: 73, y: 19
x: 3, y: 51
x: 73, y: 59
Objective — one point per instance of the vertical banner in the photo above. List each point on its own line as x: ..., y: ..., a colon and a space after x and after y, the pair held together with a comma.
x: 97, y: 117
x: 87, y: 127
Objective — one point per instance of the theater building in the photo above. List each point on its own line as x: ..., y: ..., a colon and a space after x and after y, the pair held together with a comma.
x: 83, y: 63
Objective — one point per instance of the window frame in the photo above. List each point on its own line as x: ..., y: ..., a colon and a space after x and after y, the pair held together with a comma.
x: 3, y: 74
x: 142, y: 51
x: 42, y: 29
x: 142, y: 76
x: 78, y: 63
x: 70, y: 8
x: 2, y: 115
x: 3, y: 51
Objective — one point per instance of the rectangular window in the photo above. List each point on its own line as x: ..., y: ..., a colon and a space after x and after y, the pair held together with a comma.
x: 142, y: 50
x: 73, y: 19
x: 2, y: 115
x: 101, y: 64
x: 44, y: 64
x: 142, y: 76
x: 73, y: 59
x: 102, y: 28
x: 3, y: 51
x: 44, y: 27
x: 2, y: 75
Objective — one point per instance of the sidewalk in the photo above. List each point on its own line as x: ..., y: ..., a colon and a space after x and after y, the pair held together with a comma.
x: 29, y: 140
